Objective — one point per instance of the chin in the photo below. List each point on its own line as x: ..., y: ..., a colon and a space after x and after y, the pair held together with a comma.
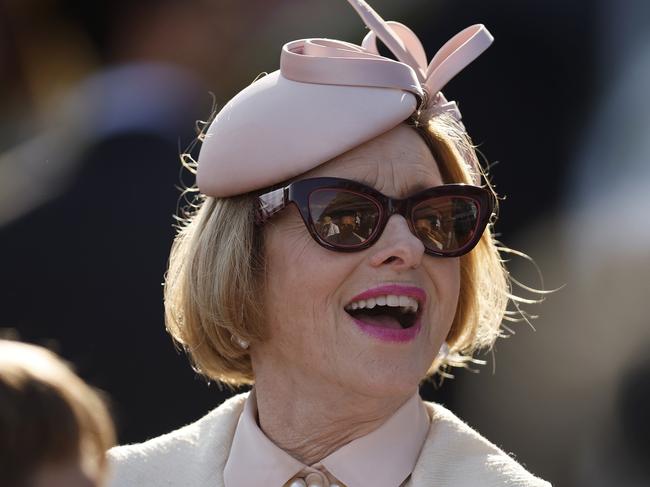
x: 385, y: 367
x: 385, y: 378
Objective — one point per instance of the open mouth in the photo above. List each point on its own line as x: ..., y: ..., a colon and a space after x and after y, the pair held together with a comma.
x: 390, y: 311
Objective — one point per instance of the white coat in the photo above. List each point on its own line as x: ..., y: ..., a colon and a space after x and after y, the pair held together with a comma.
x: 453, y: 455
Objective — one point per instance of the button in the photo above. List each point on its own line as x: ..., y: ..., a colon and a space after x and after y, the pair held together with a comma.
x: 316, y: 480
x: 297, y: 483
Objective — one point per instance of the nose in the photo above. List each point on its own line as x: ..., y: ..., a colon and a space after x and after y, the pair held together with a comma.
x: 397, y: 246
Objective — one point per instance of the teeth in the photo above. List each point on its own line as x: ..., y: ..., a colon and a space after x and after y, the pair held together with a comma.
x: 407, y: 303
x: 392, y: 300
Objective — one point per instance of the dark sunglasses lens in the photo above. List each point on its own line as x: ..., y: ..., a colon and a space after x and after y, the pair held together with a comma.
x: 446, y: 223
x: 343, y: 218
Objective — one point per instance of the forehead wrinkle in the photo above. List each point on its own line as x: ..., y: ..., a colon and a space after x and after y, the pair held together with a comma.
x: 394, y: 178
x: 395, y: 167
x: 388, y: 152
x: 365, y: 170
x: 400, y: 183
x: 405, y: 168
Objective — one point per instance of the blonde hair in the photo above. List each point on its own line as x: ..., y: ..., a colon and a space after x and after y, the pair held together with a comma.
x: 216, y: 273
x: 484, y: 281
x: 48, y: 415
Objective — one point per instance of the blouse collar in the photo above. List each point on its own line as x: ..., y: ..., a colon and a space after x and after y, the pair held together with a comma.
x: 383, y: 458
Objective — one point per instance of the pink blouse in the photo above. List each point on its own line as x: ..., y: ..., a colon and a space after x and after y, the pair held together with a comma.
x: 383, y: 458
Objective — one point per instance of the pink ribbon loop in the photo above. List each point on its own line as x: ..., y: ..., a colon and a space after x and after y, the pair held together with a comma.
x: 328, y: 61
x: 457, y: 53
x: 418, y: 57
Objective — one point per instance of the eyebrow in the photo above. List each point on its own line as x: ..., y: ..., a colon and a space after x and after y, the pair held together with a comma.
x: 415, y: 188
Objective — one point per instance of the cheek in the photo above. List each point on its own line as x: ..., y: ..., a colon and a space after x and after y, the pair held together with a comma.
x: 452, y: 281
x: 445, y: 275
x: 302, y: 281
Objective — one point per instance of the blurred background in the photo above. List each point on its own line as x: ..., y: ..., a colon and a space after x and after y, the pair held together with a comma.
x: 97, y: 100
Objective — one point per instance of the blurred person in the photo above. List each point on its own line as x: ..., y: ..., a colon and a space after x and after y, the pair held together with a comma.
x: 92, y: 70
x: 329, y: 227
x: 347, y: 231
x: 71, y: 243
x: 425, y: 227
x: 54, y: 428
x: 335, y: 337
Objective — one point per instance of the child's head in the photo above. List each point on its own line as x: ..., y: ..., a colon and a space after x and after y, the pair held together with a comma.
x: 54, y: 429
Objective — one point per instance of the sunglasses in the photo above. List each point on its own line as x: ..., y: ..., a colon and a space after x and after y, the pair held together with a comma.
x: 347, y: 216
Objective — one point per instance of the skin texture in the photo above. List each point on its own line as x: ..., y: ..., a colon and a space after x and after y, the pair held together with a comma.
x: 320, y: 381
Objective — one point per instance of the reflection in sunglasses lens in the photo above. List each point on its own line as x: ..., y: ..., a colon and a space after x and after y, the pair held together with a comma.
x: 445, y: 223
x: 347, y: 219
x: 343, y: 218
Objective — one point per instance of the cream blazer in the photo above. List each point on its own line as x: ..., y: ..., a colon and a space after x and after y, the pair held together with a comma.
x: 453, y: 455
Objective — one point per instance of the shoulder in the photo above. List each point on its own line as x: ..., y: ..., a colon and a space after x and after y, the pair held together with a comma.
x: 192, y: 455
x: 455, y: 454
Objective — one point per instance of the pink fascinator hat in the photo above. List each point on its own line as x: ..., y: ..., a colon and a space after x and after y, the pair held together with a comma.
x: 328, y: 97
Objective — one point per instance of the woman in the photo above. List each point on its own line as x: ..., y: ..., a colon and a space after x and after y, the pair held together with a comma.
x: 335, y: 334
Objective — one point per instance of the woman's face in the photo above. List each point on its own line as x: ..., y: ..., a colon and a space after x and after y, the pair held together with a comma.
x: 311, y: 335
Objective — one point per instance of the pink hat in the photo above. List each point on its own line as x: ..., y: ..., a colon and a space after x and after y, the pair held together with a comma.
x: 328, y: 97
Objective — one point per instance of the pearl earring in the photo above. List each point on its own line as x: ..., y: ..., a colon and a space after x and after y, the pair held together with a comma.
x: 243, y: 344
x: 443, y: 353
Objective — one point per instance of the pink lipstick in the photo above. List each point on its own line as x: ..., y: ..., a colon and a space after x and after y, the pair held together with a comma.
x: 391, y: 313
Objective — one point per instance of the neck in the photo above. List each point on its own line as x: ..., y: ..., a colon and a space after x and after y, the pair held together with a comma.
x: 310, y: 420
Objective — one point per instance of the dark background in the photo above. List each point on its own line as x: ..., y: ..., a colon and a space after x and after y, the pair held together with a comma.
x: 99, y: 98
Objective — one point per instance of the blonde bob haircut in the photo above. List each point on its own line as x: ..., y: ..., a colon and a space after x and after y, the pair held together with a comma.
x: 217, y: 273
